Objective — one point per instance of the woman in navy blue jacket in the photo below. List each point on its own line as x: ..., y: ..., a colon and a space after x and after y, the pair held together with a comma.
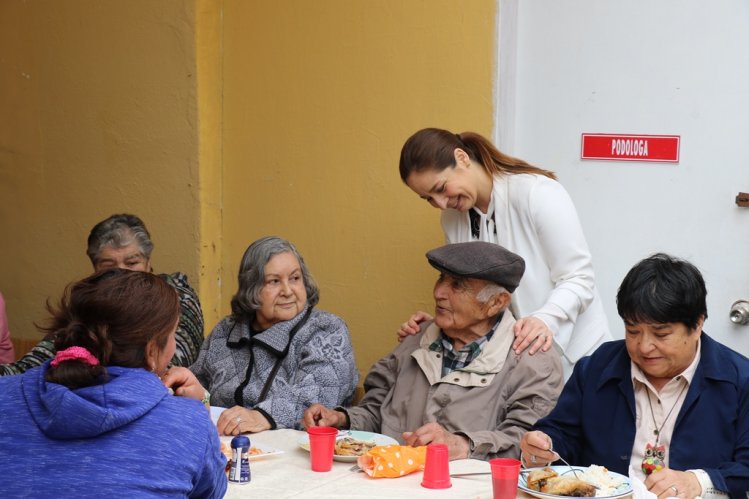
x: 668, y: 402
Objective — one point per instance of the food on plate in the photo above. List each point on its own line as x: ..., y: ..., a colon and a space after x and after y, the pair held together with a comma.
x: 568, y: 486
x: 226, y: 449
x: 349, y: 446
x: 537, y: 478
x: 548, y: 481
x: 607, y: 483
x: 594, y: 481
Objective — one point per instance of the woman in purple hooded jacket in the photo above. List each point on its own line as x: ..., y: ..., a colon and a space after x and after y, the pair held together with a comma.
x: 97, y: 420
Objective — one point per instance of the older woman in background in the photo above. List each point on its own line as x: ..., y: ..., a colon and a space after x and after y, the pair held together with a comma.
x: 97, y: 417
x: 275, y: 355
x: 123, y: 241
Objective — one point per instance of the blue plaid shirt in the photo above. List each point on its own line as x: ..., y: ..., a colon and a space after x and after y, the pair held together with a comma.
x: 453, y: 360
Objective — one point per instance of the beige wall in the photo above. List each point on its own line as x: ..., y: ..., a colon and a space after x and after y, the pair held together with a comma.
x: 98, y: 115
x: 318, y: 99
x: 223, y: 121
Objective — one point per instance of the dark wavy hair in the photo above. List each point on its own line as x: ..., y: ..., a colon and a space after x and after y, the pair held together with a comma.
x: 434, y: 149
x: 661, y: 289
x: 114, y: 314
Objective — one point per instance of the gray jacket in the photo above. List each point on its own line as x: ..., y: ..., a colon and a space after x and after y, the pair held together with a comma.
x: 319, y: 367
x: 492, y: 401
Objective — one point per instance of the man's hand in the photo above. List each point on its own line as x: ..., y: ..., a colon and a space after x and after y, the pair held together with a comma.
x: 434, y: 433
x: 238, y: 420
x: 319, y: 415
x: 411, y: 326
x: 532, y: 331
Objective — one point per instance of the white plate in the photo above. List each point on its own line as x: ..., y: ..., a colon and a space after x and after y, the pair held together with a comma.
x: 267, y: 450
x: 623, y: 490
x: 364, y: 436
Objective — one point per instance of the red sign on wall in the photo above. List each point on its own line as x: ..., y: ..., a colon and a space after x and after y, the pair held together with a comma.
x: 659, y: 148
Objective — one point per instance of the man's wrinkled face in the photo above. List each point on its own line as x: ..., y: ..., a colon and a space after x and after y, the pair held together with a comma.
x: 456, y: 306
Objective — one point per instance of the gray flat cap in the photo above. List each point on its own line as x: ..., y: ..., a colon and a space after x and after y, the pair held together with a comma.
x: 479, y: 260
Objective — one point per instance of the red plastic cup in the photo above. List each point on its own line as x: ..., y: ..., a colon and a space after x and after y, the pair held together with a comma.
x: 437, y: 467
x: 321, y: 447
x: 505, y: 474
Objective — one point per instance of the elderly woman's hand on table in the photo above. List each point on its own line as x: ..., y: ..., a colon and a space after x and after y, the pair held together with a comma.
x: 236, y: 420
x: 435, y: 433
x: 673, y: 483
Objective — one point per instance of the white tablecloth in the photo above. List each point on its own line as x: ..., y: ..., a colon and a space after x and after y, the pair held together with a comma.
x: 289, y: 475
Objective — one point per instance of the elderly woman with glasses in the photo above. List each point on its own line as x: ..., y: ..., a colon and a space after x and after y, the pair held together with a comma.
x: 275, y: 355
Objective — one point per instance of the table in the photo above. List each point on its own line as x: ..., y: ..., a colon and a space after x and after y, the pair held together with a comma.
x: 289, y: 475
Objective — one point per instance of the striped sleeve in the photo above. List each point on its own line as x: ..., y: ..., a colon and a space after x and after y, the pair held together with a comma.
x: 190, y: 327
x: 42, y: 352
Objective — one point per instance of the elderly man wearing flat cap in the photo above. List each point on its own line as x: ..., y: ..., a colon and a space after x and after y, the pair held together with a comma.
x: 458, y: 382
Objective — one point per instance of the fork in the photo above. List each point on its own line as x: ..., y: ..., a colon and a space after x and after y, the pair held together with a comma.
x: 574, y: 471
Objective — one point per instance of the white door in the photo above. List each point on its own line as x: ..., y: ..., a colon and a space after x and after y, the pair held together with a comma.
x: 666, y: 67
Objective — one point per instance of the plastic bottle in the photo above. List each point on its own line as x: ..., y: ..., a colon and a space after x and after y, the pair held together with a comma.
x: 240, y: 464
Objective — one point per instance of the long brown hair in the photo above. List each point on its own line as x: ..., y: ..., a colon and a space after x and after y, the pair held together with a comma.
x: 433, y: 149
x: 114, y: 314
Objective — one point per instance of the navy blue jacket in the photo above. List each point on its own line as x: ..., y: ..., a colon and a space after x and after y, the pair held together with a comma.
x: 594, y: 419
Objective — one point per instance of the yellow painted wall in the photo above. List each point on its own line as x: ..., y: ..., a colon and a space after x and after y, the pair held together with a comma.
x: 98, y: 115
x: 318, y: 100
x: 220, y: 121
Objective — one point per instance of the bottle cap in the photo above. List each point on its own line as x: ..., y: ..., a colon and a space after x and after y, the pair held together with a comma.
x: 240, y: 441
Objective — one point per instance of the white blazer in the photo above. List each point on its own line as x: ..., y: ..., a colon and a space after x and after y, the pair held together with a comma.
x: 536, y: 219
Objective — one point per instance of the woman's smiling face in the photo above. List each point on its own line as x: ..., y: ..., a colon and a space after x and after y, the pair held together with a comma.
x: 451, y: 188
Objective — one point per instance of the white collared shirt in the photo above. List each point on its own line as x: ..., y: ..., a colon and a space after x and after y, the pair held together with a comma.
x: 672, y: 395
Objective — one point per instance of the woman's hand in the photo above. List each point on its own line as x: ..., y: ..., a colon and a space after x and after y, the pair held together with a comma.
x: 536, y: 449
x: 532, y: 331
x: 319, y: 415
x: 183, y: 382
x: 411, y: 326
x: 238, y: 420
x: 434, y: 433
x: 672, y: 483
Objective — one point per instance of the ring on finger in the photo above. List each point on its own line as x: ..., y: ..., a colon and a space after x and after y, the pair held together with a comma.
x: 676, y: 491
x: 533, y: 459
x: 239, y: 419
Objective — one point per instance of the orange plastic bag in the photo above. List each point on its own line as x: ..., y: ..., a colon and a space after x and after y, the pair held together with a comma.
x: 392, y: 461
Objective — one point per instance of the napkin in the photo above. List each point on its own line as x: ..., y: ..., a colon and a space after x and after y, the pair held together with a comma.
x: 392, y: 461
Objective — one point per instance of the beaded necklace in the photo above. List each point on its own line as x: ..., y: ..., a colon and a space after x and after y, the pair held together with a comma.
x: 656, y: 454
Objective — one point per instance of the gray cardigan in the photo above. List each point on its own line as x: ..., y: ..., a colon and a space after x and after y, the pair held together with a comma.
x: 319, y: 367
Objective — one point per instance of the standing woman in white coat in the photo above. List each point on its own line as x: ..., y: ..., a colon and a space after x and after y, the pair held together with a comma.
x: 488, y: 196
